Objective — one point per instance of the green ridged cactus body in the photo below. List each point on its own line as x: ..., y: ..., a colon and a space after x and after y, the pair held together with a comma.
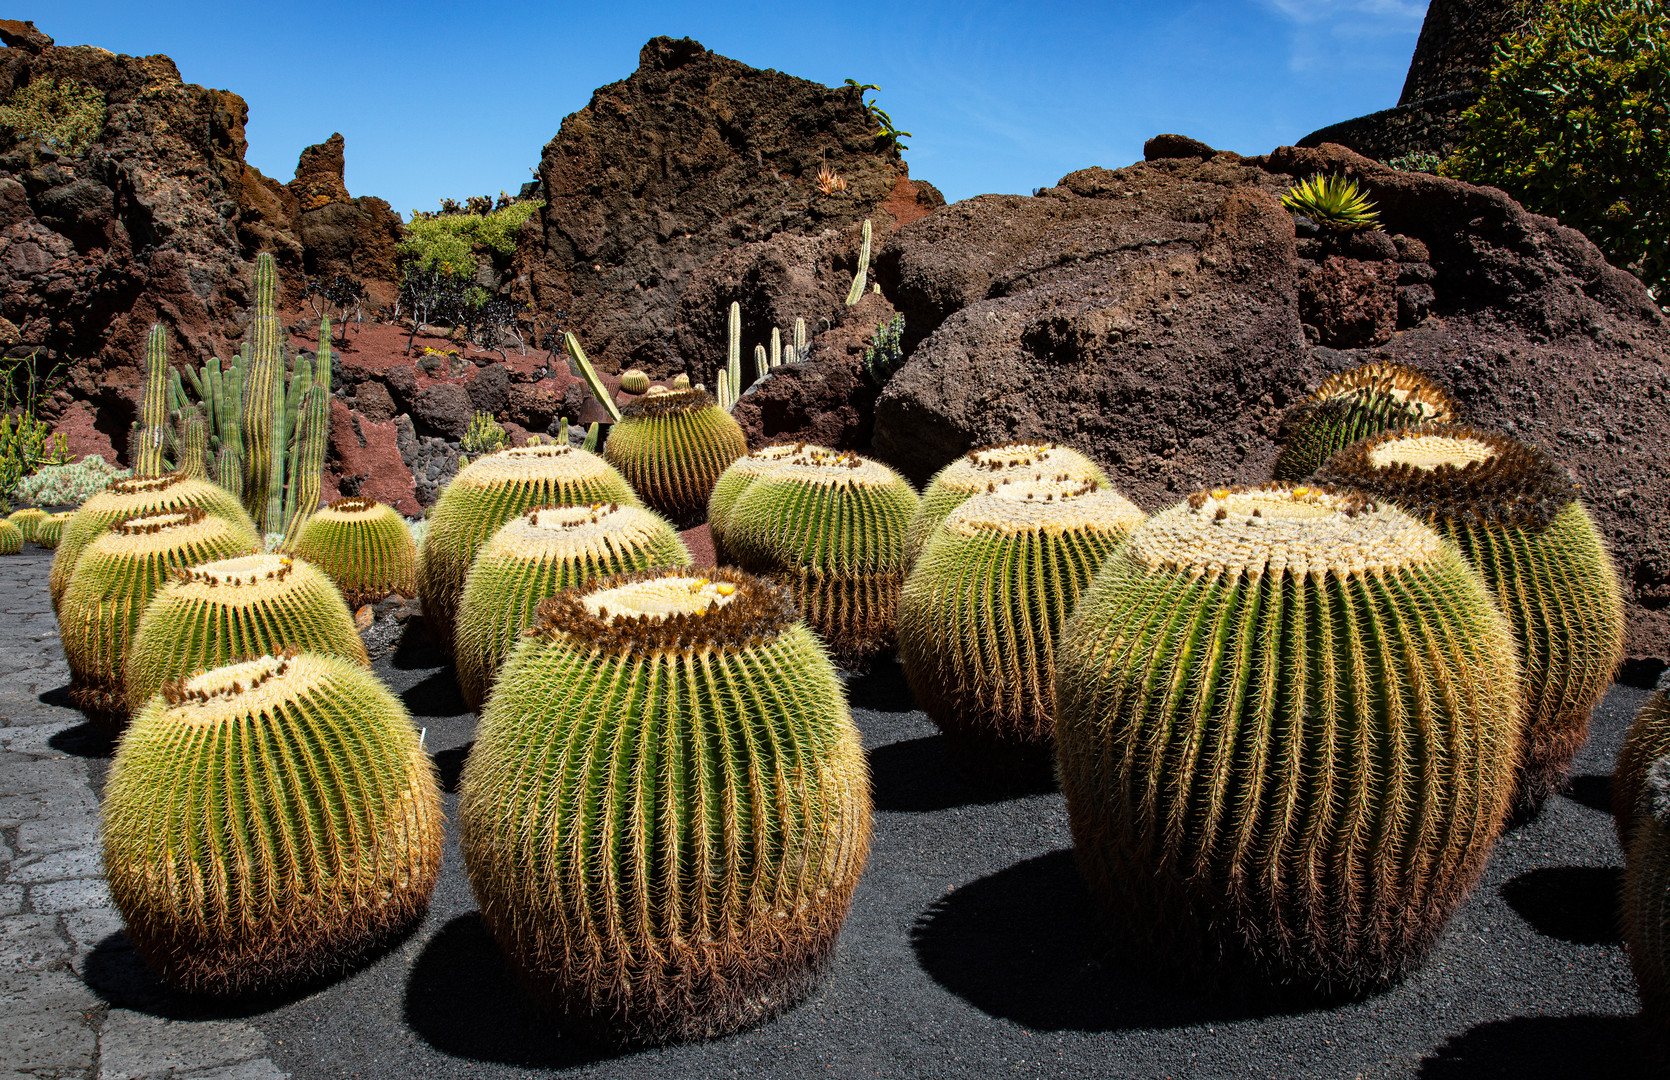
x: 27, y: 520
x: 1287, y: 730
x: 1646, y: 897
x: 1353, y: 405
x: 736, y: 479
x: 980, y: 469
x: 218, y: 612
x: 667, y: 806
x: 1516, y: 517
x: 538, y: 554
x: 982, y: 612
x: 115, y: 580
x: 364, y: 546
x: 153, y: 406
x: 831, y: 526
x: 491, y: 491
x: 138, y: 495
x: 51, y: 529
x: 671, y: 445
x: 330, y: 848
x: 1647, y: 741
x: 11, y: 539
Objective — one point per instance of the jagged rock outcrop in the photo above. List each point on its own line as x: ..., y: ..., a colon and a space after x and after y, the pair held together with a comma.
x: 341, y: 234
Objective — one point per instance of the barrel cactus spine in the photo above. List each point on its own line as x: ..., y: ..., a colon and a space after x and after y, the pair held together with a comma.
x: 1353, y: 405
x: 1287, y: 730
x: 214, y: 613
x: 49, y: 531
x: 27, y: 520
x: 491, y: 491
x: 364, y: 546
x: 1647, y: 741
x: 702, y: 720
x: 342, y: 857
x: 541, y: 553
x: 735, y: 480
x: 983, y: 608
x: 11, y: 539
x: 671, y: 445
x: 1517, y: 518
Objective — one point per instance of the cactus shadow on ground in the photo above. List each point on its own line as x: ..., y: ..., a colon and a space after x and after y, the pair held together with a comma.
x: 879, y: 688
x: 1578, y: 904
x: 116, y: 972
x: 1593, y: 790
x: 1540, y: 1048
x: 83, y: 740
x: 449, y: 765
x: 437, y: 695
x: 916, y: 776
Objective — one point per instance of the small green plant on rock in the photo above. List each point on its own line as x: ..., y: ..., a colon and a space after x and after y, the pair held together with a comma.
x: 61, y: 115
x: 1333, y: 202
x: 484, y: 435
x: 886, y: 354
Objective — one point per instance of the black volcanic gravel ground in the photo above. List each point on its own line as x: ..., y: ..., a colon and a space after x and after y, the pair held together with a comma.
x: 972, y: 950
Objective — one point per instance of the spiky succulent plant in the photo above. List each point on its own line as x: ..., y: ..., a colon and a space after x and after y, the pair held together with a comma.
x: 364, y: 546
x: 667, y: 808
x: 1286, y: 727
x: 115, y: 579
x: 11, y: 539
x: 1646, y: 896
x: 214, y: 613
x: 50, y: 531
x: 1333, y: 202
x: 634, y: 381
x: 983, y: 608
x: 489, y: 493
x: 329, y: 844
x: 1516, y: 517
x: 139, y: 495
x: 735, y: 480
x: 27, y: 520
x: 1353, y: 405
x: 830, y: 526
x: 979, y: 470
x: 540, y: 553
x: 671, y: 445
x: 1647, y: 741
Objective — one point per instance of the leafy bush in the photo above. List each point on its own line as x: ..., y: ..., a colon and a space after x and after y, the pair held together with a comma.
x: 1416, y: 161
x: 1575, y: 123
x: 62, y: 115
x: 70, y: 484
x: 886, y: 352
x: 445, y: 241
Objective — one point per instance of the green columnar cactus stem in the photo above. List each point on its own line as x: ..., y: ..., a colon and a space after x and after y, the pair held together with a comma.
x: 1516, y: 517
x: 1286, y: 728
x: 731, y: 388
x: 51, y: 530
x: 27, y: 520
x: 194, y: 445
x: 799, y: 340
x: 489, y: 493
x: 330, y: 847
x: 776, y: 360
x: 1646, y: 896
x: 364, y: 546
x: 762, y: 366
x: 153, y: 410
x: 137, y: 495
x: 229, y: 413
x: 736, y: 479
x: 831, y: 526
x: 980, y: 469
x: 856, y: 293
x: 727, y: 806
x: 263, y: 400
x: 115, y: 579
x: 307, y: 474
x: 589, y: 373
x: 541, y: 553
x: 982, y: 611
x: 634, y: 381
x: 11, y: 539
x: 218, y: 612
x: 1353, y: 405
x: 1647, y: 741
x: 671, y: 445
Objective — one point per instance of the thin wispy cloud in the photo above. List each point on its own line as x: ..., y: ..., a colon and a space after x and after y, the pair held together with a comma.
x: 1312, y: 11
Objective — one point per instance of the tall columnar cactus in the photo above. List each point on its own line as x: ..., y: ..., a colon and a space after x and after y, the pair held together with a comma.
x: 1516, y: 517
x: 11, y: 539
x: 982, y: 469
x: 830, y: 526
x: 727, y: 816
x: 307, y: 461
x: 1286, y: 727
x: 671, y: 445
x: 153, y: 414
x: 137, y: 495
x: 364, y: 546
x: 541, y: 553
x: 194, y: 444
x: 856, y: 293
x: 982, y: 612
x: 736, y: 479
x: 331, y: 846
x: 264, y: 401
x: 589, y: 374
x: 731, y: 386
x: 489, y: 493
x: 49, y: 531
x: 218, y: 612
x: 1647, y: 741
x: 115, y: 580
x: 27, y: 520
x: 1646, y: 896
x: 1353, y: 405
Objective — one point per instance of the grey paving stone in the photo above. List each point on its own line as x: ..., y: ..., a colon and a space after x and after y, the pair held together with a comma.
x: 23, y: 775
x: 89, y: 926
x: 32, y: 739
x: 11, y: 899
x: 52, y: 1042
x: 30, y: 942
x: 257, y: 1069
x: 134, y: 1046
x: 57, y: 833
x: 56, y: 897
x: 82, y: 862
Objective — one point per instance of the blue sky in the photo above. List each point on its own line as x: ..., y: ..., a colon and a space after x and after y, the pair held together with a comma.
x: 445, y: 99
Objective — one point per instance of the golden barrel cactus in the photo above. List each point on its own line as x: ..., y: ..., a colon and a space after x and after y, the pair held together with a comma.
x: 11, y: 539
x: 1353, y: 405
x: 51, y: 530
x: 671, y: 445
x: 27, y: 520
x: 364, y: 546
x: 735, y: 480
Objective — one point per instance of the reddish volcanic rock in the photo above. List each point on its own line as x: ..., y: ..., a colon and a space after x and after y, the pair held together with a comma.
x: 364, y: 459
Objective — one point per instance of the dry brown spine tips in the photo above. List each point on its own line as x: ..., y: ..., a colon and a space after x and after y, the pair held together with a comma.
x: 353, y: 504
x: 242, y: 571
x: 143, y: 485
x: 1402, y: 384
x: 152, y: 521
x: 230, y: 681
x: 661, y: 401
x: 669, y: 610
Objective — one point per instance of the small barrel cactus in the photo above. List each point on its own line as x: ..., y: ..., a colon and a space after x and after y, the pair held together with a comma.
x: 1353, y: 405
x: 634, y: 381
x: 27, y: 520
x: 1516, y: 517
x: 671, y: 445
x: 976, y: 471
x: 11, y: 539
x: 1647, y: 741
x: 983, y: 608
x: 214, y: 613
x: 115, y: 579
x: 1646, y: 896
x: 489, y: 493
x: 735, y: 480
x: 330, y: 847
x: 139, y: 495
x: 541, y: 553
x: 830, y: 526
x: 364, y: 546
x: 726, y: 806
x: 50, y: 531
x: 1287, y: 729
x: 681, y: 381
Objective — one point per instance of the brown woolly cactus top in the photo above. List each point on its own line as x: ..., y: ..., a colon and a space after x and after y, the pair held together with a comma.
x: 669, y: 610
x: 660, y: 401
x: 156, y: 521
x: 526, y: 462
x: 1052, y: 505
x: 1280, y: 528
x: 351, y: 508
x: 238, y: 689
x: 1453, y: 472
x: 978, y: 468
x: 143, y: 485
x: 243, y: 571
x: 1397, y: 382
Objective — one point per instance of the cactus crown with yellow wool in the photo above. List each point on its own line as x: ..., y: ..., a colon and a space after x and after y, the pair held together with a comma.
x: 672, y: 445
x: 1353, y: 405
x: 976, y: 472
x: 364, y: 546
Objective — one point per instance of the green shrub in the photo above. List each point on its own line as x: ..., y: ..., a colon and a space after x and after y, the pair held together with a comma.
x: 1575, y: 123
x: 70, y: 484
x: 26, y: 441
x: 62, y: 115
x: 886, y: 353
x: 446, y: 241
x: 484, y: 435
